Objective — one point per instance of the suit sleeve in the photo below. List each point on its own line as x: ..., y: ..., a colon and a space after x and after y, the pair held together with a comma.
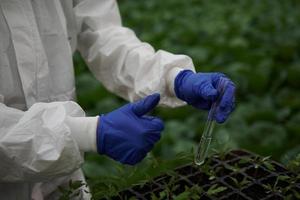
x: 125, y: 65
x: 37, y: 145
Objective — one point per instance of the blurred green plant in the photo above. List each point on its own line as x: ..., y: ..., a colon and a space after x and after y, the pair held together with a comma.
x: 72, y: 190
x: 255, y: 42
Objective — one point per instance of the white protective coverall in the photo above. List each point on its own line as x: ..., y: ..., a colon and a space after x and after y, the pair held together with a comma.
x: 43, y: 132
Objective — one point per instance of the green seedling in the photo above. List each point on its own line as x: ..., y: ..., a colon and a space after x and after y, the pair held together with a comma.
x: 206, y: 169
x: 258, y: 162
x: 170, y: 187
x: 284, y: 190
x: 292, y: 181
x: 294, y: 165
x: 192, y: 193
x: 215, y: 189
x: 235, y: 168
x: 73, y: 190
x: 221, y: 154
x: 273, y: 188
x: 240, y: 184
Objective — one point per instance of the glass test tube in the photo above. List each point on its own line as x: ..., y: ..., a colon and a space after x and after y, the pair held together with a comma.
x: 203, y: 146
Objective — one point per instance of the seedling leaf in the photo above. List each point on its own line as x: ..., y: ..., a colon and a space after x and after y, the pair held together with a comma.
x: 215, y: 189
x: 269, y: 166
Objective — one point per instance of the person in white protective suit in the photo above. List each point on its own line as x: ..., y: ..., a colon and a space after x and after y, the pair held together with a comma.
x: 43, y: 132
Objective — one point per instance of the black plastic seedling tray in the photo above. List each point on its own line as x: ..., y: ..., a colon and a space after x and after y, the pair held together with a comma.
x: 237, y: 175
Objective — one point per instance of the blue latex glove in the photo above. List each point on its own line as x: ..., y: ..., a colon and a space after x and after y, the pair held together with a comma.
x: 127, y: 134
x: 199, y: 90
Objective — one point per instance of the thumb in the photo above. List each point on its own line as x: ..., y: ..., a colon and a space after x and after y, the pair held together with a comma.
x: 145, y: 105
x: 207, y: 91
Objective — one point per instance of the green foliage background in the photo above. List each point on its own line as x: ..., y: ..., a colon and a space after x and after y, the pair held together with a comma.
x: 255, y: 42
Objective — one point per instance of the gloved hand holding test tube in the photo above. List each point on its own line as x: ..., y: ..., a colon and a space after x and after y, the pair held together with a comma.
x: 203, y: 146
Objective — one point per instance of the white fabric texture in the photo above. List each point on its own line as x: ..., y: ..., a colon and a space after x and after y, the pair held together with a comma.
x: 87, y: 125
x: 41, y: 129
x: 119, y: 60
x: 39, y: 147
x: 171, y: 77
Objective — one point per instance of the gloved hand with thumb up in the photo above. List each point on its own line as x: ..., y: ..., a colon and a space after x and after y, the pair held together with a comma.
x: 128, y: 134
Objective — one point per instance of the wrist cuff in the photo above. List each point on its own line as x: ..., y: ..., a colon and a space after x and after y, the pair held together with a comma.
x: 171, y: 79
x: 83, y: 130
